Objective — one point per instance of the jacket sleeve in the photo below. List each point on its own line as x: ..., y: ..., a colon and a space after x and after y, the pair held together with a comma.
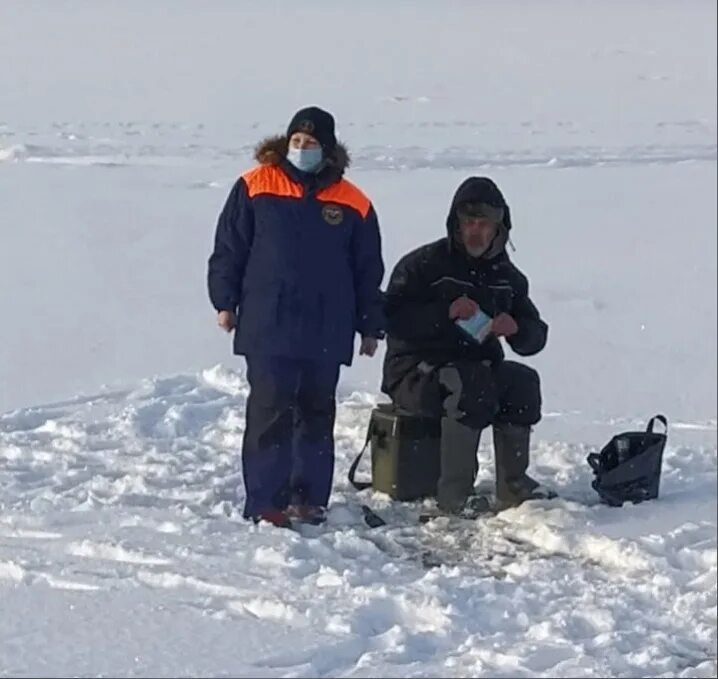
x: 232, y: 244
x: 368, y: 270
x: 411, y: 312
x: 533, y: 332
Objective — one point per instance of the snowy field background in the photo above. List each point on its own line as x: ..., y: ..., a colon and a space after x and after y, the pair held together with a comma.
x: 122, y: 128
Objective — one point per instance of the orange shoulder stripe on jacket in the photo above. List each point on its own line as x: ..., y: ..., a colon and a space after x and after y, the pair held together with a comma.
x: 269, y: 179
x: 345, y: 193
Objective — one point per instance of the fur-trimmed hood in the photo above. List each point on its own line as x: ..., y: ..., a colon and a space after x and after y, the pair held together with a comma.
x: 273, y: 151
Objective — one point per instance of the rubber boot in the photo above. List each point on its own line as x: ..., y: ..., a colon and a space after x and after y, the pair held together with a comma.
x: 511, y: 450
x: 459, y: 465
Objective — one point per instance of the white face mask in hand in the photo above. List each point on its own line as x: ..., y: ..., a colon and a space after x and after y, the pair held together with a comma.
x: 306, y: 160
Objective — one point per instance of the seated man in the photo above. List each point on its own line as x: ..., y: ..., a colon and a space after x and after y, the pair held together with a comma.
x: 437, y: 369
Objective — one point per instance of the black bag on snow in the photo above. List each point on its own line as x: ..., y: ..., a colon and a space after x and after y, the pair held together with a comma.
x: 628, y: 469
x: 405, y: 454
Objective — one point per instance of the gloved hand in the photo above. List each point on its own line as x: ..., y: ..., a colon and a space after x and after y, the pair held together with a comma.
x: 368, y: 346
x: 504, y: 325
x: 462, y: 307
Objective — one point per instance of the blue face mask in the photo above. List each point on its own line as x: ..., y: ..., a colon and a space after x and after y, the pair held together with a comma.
x: 306, y: 160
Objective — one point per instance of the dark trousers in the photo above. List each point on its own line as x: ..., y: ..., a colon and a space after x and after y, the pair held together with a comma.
x: 475, y: 394
x: 288, y: 449
x: 468, y: 397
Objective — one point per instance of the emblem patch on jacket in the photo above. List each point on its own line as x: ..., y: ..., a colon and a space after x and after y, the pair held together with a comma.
x: 332, y: 214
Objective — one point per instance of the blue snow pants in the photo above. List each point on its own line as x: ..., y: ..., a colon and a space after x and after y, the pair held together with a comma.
x: 288, y: 449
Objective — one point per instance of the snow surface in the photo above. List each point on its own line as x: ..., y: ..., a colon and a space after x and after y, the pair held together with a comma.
x: 121, y: 552
x: 122, y: 128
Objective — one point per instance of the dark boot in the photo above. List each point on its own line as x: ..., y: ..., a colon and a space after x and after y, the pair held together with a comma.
x: 513, y: 484
x: 474, y: 507
x: 459, y: 465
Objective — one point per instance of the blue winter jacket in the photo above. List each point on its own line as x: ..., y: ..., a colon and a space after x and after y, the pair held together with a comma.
x: 298, y: 257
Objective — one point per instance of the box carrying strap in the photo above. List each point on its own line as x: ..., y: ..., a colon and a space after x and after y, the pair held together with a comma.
x: 661, y: 419
x: 371, y: 518
x: 360, y: 485
x: 594, y: 460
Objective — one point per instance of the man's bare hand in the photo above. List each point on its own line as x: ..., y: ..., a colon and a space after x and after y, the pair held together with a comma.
x: 463, y: 308
x: 227, y: 320
x: 368, y: 346
x: 504, y: 325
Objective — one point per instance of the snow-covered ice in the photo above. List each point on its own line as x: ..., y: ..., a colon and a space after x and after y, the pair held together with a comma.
x: 120, y: 551
x: 122, y: 127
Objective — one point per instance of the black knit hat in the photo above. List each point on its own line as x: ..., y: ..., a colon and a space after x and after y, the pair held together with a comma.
x: 316, y: 122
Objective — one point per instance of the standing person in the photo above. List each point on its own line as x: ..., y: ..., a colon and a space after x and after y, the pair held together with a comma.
x: 296, y: 273
x: 432, y: 367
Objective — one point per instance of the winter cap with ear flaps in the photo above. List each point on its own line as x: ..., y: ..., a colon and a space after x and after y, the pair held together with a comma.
x: 481, y: 210
x: 479, y: 190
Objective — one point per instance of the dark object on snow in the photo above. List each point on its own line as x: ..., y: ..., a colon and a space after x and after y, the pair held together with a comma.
x: 405, y: 459
x: 371, y: 518
x: 628, y: 469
